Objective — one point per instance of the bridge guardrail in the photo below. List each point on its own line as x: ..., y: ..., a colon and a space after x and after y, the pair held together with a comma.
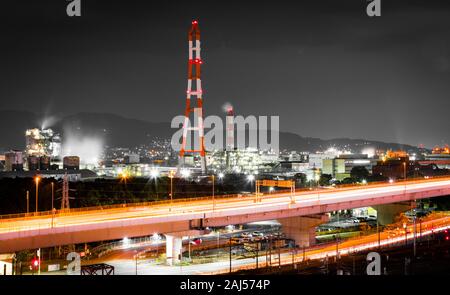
x: 134, y: 206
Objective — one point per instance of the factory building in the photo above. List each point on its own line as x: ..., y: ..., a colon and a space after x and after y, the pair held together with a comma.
x: 247, y: 160
x: 341, y: 166
x: 43, y: 142
x: 13, y: 161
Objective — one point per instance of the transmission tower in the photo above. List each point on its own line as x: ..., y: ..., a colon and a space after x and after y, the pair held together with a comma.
x: 65, y: 193
x: 194, y: 89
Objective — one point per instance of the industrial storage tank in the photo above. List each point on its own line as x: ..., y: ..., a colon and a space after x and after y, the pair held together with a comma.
x: 44, y: 163
x: 14, y: 161
x: 71, y: 162
x: 33, y: 163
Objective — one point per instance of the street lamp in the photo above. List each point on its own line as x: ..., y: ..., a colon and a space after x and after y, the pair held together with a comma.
x: 251, y: 178
x: 214, y: 201
x: 53, y: 198
x: 171, y: 175
x: 156, y: 238
x: 154, y: 173
x: 406, y: 233
x: 28, y: 201
x: 404, y: 171
x: 36, y: 180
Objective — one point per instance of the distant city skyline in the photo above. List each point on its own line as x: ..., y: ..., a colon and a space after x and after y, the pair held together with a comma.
x: 327, y: 69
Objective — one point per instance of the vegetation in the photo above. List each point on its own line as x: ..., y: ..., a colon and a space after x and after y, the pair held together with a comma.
x: 13, y: 191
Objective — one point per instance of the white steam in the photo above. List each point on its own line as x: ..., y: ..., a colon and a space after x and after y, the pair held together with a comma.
x: 48, y: 121
x: 88, y: 148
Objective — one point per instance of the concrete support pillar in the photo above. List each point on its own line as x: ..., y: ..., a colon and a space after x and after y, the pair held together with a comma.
x: 174, y: 243
x: 302, y: 229
x: 173, y: 249
x: 386, y: 213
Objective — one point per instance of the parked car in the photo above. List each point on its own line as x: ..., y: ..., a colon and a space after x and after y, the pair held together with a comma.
x: 246, y: 235
x: 257, y: 234
x: 196, y: 241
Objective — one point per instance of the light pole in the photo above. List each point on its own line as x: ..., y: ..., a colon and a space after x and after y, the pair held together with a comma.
x: 154, y: 174
x: 230, y: 253
x: 404, y: 171
x: 171, y: 174
x: 251, y: 178
x: 218, y: 242
x: 414, y: 234
x: 378, y: 232
x: 36, y: 179
x: 28, y: 201
x: 39, y: 261
x: 214, y: 202
x: 53, y: 198
x: 406, y: 233
x: 136, y: 260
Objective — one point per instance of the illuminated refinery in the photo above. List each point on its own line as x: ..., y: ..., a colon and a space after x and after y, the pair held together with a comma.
x: 140, y: 175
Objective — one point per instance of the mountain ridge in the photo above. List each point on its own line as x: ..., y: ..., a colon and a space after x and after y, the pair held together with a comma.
x: 115, y: 130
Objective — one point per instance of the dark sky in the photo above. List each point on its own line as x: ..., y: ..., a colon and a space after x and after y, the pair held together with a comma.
x: 325, y: 67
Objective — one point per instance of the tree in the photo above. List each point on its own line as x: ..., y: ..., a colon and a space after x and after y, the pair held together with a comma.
x: 325, y: 179
x: 359, y: 173
x: 300, y: 178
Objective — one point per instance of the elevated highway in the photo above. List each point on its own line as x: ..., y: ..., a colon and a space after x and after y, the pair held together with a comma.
x: 27, y: 231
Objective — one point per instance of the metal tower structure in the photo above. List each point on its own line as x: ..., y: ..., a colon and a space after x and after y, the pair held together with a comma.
x: 194, y: 89
x: 65, y: 193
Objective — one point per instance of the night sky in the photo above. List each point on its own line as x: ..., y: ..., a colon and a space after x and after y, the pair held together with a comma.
x: 325, y: 67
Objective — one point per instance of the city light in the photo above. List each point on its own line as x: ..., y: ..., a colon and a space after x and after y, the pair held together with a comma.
x: 185, y: 173
x: 126, y: 242
x: 124, y: 175
x: 154, y: 173
x: 156, y: 237
x: 288, y: 200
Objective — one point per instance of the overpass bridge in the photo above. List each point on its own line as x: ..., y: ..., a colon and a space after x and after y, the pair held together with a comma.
x: 181, y: 217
